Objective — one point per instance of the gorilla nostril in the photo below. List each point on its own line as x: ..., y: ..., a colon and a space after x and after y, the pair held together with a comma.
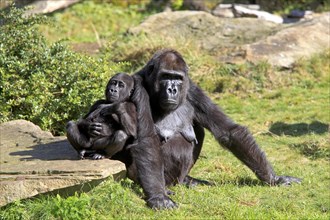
x: 172, y: 91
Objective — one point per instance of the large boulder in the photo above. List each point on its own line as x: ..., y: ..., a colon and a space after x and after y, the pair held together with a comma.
x: 302, y: 39
x: 202, y: 28
x: 241, y: 39
x: 32, y: 161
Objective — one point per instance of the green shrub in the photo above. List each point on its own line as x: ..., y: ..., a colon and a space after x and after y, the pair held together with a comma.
x: 45, y: 84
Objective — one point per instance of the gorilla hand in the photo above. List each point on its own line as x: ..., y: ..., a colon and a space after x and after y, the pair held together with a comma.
x: 286, y: 180
x: 161, y: 203
x: 96, y: 129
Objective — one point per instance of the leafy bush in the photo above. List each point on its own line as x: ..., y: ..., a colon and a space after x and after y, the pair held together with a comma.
x: 45, y: 84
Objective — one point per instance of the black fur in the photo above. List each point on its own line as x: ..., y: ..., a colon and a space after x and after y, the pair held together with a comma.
x: 172, y: 114
x: 109, y: 125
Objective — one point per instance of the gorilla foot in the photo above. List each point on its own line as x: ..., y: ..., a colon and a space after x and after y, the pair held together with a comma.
x: 161, y: 203
x: 286, y: 180
x: 97, y: 156
x: 192, y: 182
x: 83, y: 154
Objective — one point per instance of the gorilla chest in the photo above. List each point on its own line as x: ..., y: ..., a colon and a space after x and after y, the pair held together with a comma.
x: 179, y: 121
x: 110, y: 121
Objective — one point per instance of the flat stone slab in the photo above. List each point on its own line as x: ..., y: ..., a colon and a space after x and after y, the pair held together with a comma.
x: 33, y: 161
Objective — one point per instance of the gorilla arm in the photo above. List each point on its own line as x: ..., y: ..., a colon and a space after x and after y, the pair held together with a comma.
x: 234, y: 137
x: 124, y: 114
x: 127, y: 118
x: 79, y: 132
x: 147, y: 167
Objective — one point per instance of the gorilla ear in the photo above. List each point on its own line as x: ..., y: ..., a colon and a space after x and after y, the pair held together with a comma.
x: 150, y: 69
x: 131, y: 93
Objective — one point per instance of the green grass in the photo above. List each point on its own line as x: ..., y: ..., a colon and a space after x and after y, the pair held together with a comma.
x: 287, y: 112
x: 91, y: 22
x: 237, y: 193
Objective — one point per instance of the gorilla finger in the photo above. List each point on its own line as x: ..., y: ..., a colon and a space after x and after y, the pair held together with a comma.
x: 95, y: 133
x: 287, y: 180
x: 97, y: 157
x: 96, y: 126
x: 161, y: 203
x: 192, y: 182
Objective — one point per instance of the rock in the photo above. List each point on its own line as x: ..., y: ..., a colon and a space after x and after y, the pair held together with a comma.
x: 240, y: 11
x: 241, y: 39
x: 302, y: 39
x: 223, y: 12
x: 45, y: 6
x: 32, y: 161
x: 249, y: 6
x: 207, y: 31
x: 227, y: 10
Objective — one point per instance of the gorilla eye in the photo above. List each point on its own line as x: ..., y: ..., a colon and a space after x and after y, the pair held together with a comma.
x: 171, y: 76
x: 121, y: 85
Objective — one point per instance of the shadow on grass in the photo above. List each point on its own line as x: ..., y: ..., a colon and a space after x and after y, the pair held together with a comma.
x: 313, y: 149
x: 299, y: 129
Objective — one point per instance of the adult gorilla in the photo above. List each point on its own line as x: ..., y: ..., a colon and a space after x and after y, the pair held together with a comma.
x: 179, y: 113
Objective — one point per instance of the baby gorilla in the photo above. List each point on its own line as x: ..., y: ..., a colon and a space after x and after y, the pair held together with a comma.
x: 109, y: 125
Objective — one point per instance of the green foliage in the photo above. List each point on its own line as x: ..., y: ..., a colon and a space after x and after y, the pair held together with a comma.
x: 91, y: 22
x: 287, y: 5
x: 176, y: 4
x: 123, y: 3
x: 46, y: 207
x: 73, y: 207
x: 47, y: 85
x: 287, y: 111
x: 289, y: 127
x: 15, y: 211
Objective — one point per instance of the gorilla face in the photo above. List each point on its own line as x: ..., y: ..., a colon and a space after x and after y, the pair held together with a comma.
x: 170, y: 89
x: 167, y: 80
x: 119, y: 88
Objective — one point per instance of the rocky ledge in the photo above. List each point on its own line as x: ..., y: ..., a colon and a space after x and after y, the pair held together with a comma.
x: 33, y: 161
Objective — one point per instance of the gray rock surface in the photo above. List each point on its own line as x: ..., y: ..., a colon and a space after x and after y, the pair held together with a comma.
x: 204, y: 29
x: 47, y: 6
x: 242, y: 39
x: 302, y: 39
x: 32, y: 161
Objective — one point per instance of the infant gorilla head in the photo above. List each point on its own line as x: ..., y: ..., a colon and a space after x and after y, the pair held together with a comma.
x: 109, y: 125
x: 119, y: 88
